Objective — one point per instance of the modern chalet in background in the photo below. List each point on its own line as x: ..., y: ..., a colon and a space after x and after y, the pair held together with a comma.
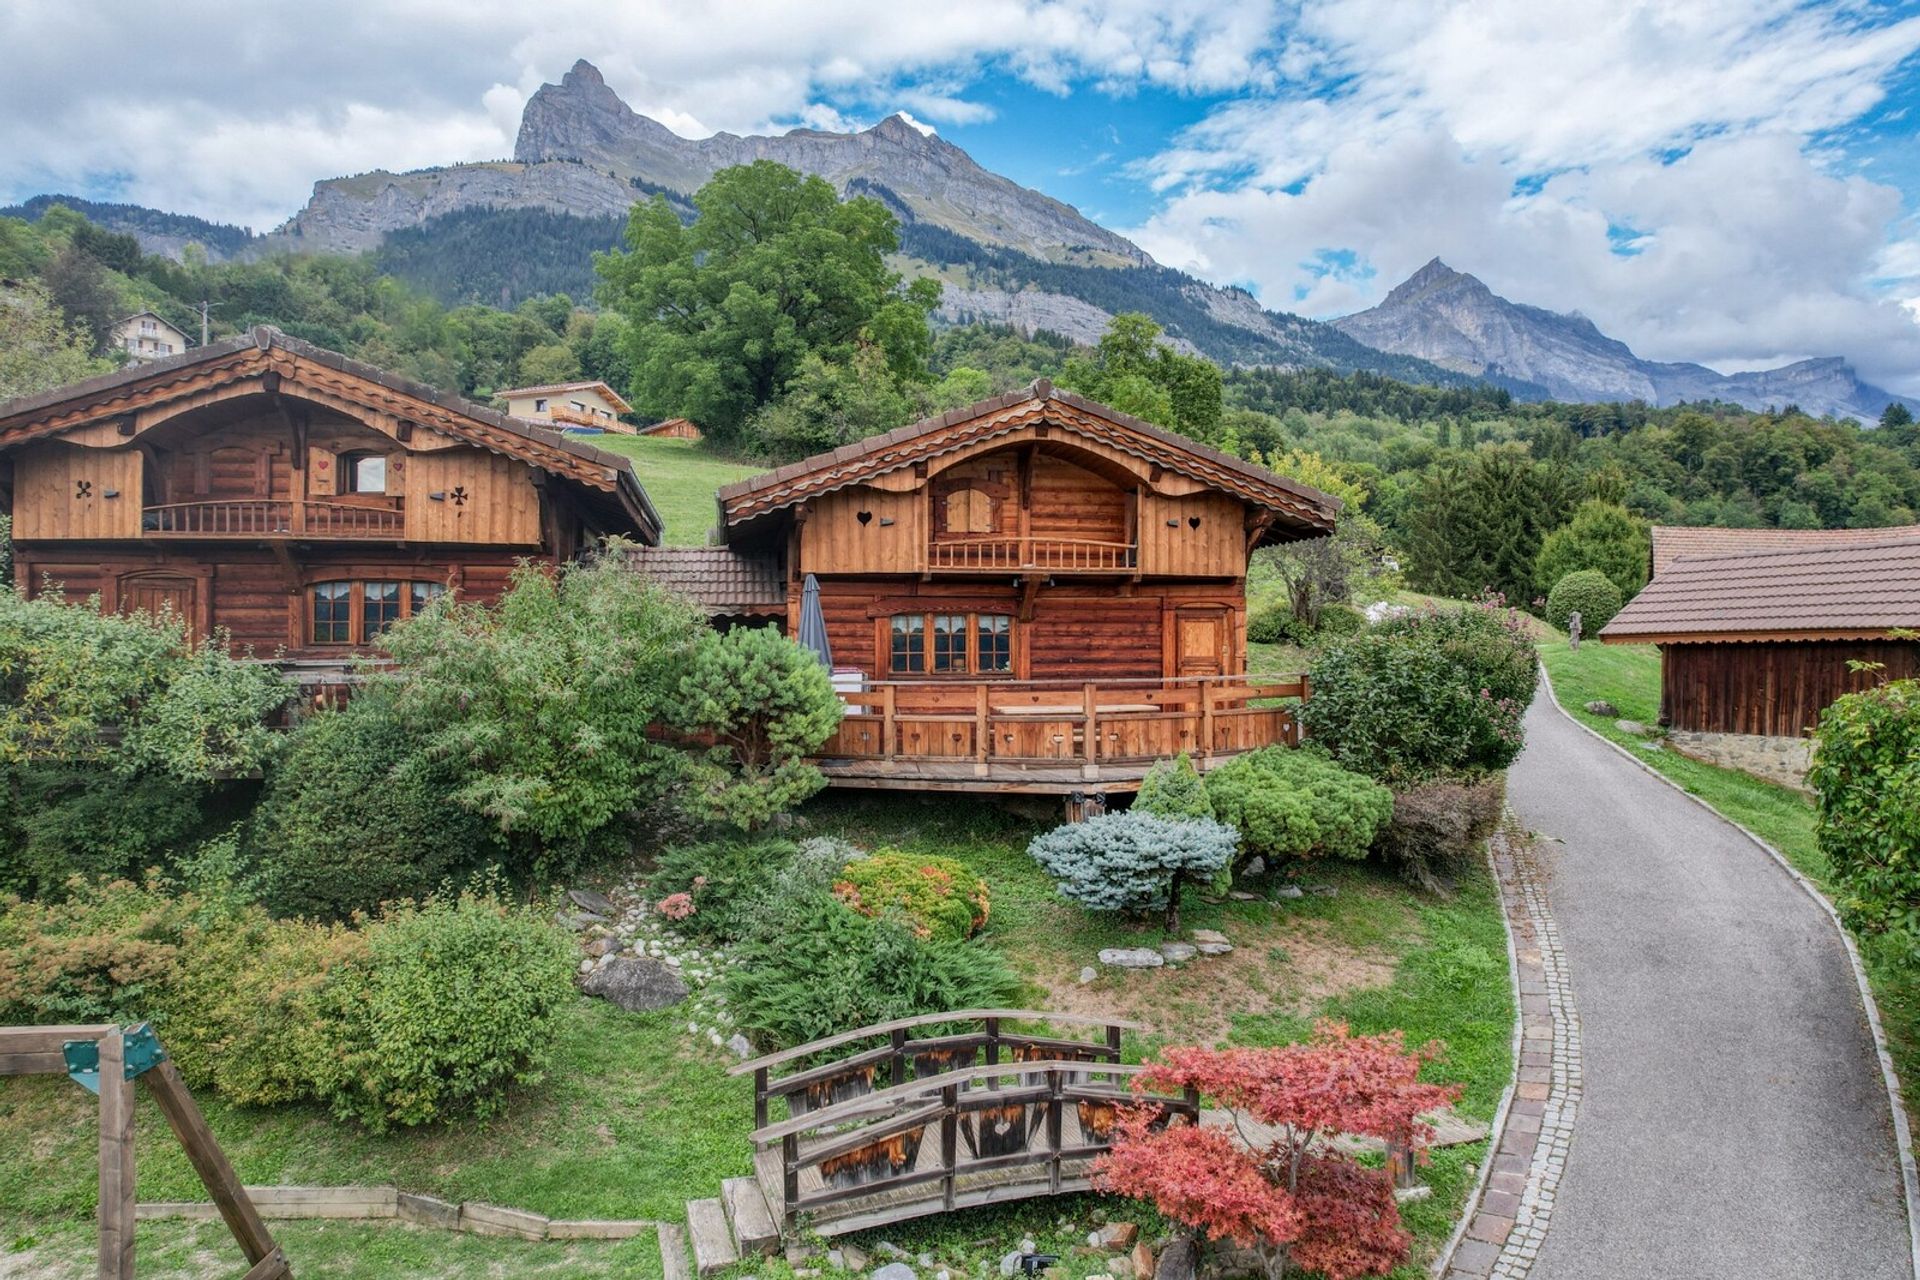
x: 1762, y: 641
x: 1034, y: 593
x: 300, y: 500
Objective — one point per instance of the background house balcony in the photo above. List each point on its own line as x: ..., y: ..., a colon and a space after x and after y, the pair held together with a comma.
x: 1013, y: 554
x: 1052, y: 735
x: 272, y: 518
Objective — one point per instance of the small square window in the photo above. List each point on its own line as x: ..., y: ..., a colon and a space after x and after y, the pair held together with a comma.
x: 909, y: 656
x: 422, y: 594
x: 540, y: 405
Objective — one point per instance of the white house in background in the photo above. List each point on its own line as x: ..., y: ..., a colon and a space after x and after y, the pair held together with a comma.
x: 569, y: 404
x: 148, y: 337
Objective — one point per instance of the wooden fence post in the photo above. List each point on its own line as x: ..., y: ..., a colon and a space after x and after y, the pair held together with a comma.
x: 1054, y: 1085
x: 1090, y: 733
x: 1206, y: 716
x: 116, y: 1159
x: 949, y: 1126
x: 196, y: 1139
x: 760, y: 1098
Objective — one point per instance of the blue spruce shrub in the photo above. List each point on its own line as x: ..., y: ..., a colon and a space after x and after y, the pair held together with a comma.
x: 1133, y: 861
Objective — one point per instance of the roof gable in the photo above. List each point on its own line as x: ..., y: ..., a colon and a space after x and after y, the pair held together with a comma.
x: 273, y: 360
x: 1307, y: 510
x: 1858, y: 591
x: 1670, y: 542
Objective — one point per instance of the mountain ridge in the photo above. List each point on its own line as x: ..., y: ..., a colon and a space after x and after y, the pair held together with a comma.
x: 1456, y: 321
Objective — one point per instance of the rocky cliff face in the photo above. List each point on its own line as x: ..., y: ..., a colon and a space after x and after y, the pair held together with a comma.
x: 1455, y: 321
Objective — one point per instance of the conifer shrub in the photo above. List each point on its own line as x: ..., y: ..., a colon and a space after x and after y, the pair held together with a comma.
x: 1866, y: 771
x: 728, y: 881
x: 1290, y: 804
x: 1133, y: 861
x: 1587, y: 592
x: 937, y: 898
x: 1173, y: 789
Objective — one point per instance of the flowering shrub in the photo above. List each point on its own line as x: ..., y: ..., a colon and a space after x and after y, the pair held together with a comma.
x: 1430, y: 692
x: 934, y: 897
x: 1298, y: 1200
x: 1289, y: 803
x: 677, y: 906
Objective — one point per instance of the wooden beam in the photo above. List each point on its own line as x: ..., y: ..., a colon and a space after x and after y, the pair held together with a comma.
x: 210, y: 1162
x: 116, y: 1159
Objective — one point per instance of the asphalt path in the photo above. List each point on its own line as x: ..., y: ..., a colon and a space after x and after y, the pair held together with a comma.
x: 1734, y: 1122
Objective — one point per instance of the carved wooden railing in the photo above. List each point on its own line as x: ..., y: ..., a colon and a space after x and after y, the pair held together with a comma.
x: 1065, y: 721
x: 272, y: 518
x: 996, y: 1099
x: 1055, y: 555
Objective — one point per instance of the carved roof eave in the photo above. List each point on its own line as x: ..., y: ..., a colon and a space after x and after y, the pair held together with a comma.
x: 306, y: 371
x: 1307, y: 510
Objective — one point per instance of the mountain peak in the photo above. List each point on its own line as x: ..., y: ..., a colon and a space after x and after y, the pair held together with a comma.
x: 582, y: 75
x: 1435, y: 275
x: 903, y: 128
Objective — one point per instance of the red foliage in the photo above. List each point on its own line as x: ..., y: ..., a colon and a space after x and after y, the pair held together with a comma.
x: 1282, y: 1183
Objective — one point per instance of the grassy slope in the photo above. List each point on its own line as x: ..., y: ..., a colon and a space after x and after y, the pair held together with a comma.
x: 680, y: 476
x: 1628, y: 676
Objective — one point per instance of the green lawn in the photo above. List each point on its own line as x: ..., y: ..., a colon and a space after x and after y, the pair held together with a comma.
x: 1628, y: 676
x: 636, y: 1118
x: 680, y: 476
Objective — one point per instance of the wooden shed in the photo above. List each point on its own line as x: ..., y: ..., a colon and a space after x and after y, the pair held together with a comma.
x: 1762, y: 642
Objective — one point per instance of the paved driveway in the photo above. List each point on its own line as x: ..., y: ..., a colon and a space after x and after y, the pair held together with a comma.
x: 1734, y: 1122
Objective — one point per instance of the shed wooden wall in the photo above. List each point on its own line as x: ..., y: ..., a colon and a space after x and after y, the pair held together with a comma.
x: 60, y: 491
x: 485, y: 498
x: 1773, y: 688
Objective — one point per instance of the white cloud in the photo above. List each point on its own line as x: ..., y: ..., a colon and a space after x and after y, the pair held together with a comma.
x: 1403, y: 132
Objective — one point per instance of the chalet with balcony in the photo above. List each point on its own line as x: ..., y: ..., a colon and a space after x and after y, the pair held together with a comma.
x: 299, y: 500
x: 590, y: 405
x: 1035, y: 593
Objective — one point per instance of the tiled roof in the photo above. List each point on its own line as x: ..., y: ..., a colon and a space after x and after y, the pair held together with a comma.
x: 721, y: 579
x: 1671, y: 541
x: 1830, y: 593
x: 604, y: 391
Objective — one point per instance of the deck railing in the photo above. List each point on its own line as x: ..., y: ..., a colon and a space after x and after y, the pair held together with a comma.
x: 1055, y: 555
x: 1066, y: 721
x: 272, y: 518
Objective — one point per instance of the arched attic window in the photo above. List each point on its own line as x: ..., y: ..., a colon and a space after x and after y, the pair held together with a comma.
x: 969, y: 511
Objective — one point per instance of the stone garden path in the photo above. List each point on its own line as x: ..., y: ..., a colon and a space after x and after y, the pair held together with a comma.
x: 1732, y: 1121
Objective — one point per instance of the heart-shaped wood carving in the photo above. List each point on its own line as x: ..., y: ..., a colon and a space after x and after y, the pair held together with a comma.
x: 1193, y: 522
x: 864, y: 517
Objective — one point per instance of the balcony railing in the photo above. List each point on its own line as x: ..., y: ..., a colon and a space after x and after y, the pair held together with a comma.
x: 1062, y: 722
x: 1054, y: 555
x: 271, y: 518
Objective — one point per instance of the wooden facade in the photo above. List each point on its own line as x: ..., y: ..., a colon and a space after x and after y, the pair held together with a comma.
x: 293, y: 499
x: 1035, y: 592
x: 1777, y: 688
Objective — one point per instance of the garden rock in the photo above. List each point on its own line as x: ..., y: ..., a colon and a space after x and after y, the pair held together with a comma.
x: 1241, y: 895
x: 597, y: 947
x: 895, y: 1271
x: 1633, y: 727
x: 1143, y: 1260
x: 1215, y: 948
x: 1115, y: 1237
x: 1178, y: 952
x: 1202, y: 937
x: 1010, y: 1263
x: 597, y: 903
x: 1289, y: 891
x: 740, y: 1047
x: 1256, y: 866
x: 578, y: 921
x: 1178, y: 1261
x: 1323, y: 890
x: 1132, y: 958
x: 1602, y: 707
x: 857, y: 1258
x: 636, y: 984
x: 1087, y: 974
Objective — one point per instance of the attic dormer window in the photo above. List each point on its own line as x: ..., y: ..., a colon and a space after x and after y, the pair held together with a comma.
x: 364, y: 473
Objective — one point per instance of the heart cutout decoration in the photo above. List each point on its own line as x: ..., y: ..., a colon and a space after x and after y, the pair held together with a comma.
x: 864, y: 517
x: 1193, y: 522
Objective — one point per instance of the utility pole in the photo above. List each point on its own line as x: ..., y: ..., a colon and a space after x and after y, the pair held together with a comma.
x: 203, y: 322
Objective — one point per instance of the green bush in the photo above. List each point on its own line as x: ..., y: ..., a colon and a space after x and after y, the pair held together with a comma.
x: 1587, y: 592
x: 1866, y: 771
x: 359, y: 813
x: 451, y: 1005
x: 1272, y: 625
x: 1437, y: 827
x: 1432, y: 692
x: 88, y: 821
x: 1603, y: 536
x: 728, y: 880
x: 814, y: 968
x: 1173, y: 789
x: 1289, y: 803
x: 935, y: 897
x: 1133, y: 861
x: 111, y: 951
x: 1341, y: 620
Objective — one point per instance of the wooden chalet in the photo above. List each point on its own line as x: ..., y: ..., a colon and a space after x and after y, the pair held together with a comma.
x: 1034, y: 593
x: 672, y: 429
x: 1761, y: 642
x: 297, y: 499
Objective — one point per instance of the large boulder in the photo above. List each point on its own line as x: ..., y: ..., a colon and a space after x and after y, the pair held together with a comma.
x: 637, y: 984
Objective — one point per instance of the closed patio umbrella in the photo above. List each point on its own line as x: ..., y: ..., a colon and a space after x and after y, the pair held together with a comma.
x: 813, y: 623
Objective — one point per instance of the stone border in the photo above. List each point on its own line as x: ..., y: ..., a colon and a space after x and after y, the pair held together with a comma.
x: 373, y: 1204
x: 1902, y: 1127
x: 1506, y: 1219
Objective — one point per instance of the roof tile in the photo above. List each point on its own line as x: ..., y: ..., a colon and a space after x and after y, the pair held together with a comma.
x: 1670, y: 542
x: 1858, y: 589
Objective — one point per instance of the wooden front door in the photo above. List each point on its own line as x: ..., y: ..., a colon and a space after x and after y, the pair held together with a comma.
x: 1200, y: 642
x: 157, y: 595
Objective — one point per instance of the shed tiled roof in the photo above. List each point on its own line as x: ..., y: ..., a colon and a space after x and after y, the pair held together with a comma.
x: 722, y: 580
x: 1855, y: 591
x: 1671, y: 541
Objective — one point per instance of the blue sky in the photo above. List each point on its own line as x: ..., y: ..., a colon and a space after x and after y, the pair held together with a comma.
x: 1730, y: 181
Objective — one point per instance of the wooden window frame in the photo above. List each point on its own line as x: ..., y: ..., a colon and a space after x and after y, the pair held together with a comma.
x: 348, y: 475
x: 357, y: 637
x: 969, y: 629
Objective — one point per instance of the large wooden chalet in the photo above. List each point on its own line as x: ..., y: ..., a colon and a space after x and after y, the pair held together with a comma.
x: 1035, y: 593
x: 294, y: 498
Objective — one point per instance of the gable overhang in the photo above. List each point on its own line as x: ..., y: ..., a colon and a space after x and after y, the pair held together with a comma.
x: 117, y: 409
x: 1057, y: 421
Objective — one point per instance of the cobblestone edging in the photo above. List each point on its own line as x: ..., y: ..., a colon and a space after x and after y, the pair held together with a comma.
x: 1507, y: 1223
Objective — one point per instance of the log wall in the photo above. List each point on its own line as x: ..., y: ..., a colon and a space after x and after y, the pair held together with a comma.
x: 1772, y: 688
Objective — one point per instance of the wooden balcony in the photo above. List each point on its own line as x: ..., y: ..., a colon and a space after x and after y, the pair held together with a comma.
x: 568, y: 416
x: 1019, y: 555
x: 255, y: 518
x: 1051, y: 737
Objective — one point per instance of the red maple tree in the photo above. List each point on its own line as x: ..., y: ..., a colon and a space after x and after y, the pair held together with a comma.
x: 1279, y: 1186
